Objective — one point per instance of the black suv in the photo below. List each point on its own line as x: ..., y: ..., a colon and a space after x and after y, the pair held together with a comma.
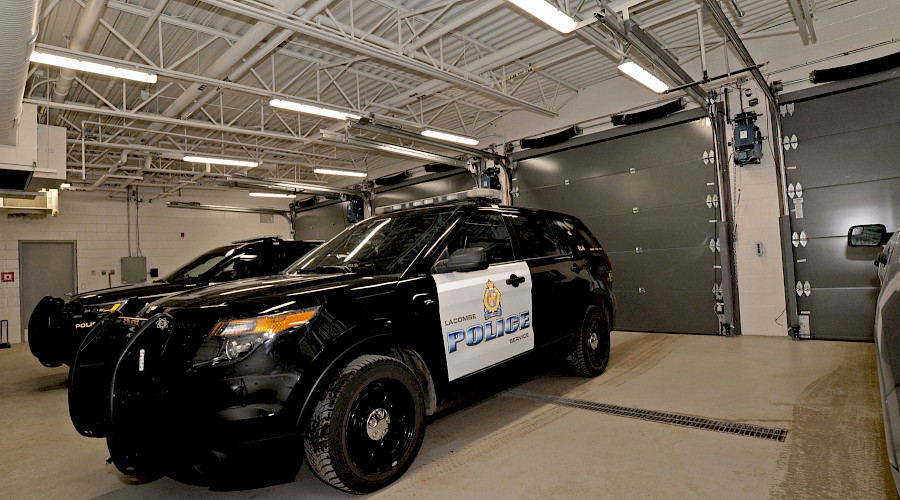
x: 352, y: 347
x: 56, y: 328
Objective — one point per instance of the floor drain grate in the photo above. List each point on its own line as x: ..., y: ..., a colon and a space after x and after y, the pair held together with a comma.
x: 656, y: 416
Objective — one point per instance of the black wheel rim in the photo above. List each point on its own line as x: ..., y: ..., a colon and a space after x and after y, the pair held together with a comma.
x: 375, y: 456
x: 597, y: 342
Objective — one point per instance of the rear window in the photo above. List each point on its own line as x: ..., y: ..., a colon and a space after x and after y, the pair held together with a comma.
x: 538, y: 237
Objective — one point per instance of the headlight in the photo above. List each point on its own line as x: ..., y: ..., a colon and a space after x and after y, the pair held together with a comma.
x: 263, y: 324
x: 105, y: 307
x: 235, y: 338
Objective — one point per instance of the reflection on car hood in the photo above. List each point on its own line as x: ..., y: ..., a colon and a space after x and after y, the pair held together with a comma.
x: 270, y: 288
x: 139, y: 290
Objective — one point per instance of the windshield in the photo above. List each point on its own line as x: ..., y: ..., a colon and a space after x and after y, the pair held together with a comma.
x: 202, y: 265
x: 380, y: 245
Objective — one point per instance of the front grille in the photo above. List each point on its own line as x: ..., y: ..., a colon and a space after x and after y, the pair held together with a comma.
x: 694, y: 422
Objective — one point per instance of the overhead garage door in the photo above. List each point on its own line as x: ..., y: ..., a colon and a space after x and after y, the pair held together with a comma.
x: 843, y: 168
x: 644, y: 195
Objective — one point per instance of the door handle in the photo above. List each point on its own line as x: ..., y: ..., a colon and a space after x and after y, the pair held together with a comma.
x: 515, y: 281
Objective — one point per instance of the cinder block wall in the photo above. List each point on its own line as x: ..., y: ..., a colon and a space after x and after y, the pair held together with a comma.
x: 98, y: 225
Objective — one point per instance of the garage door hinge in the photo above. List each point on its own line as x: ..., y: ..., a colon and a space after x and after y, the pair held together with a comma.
x: 714, y: 245
x: 709, y: 157
x: 787, y: 109
x: 803, y: 288
x: 638, y: 250
x: 799, y: 239
x: 795, y: 191
x: 635, y: 210
x: 790, y: 142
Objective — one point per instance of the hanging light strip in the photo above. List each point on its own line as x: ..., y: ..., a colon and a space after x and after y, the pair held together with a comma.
x: 221, y: 161
x: 92, y: 67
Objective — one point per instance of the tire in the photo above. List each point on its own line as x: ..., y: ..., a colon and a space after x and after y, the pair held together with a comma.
x: 591, y: 354
x: 368, y: 427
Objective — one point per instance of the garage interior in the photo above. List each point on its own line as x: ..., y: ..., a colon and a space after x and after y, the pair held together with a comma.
x: 744, y: 321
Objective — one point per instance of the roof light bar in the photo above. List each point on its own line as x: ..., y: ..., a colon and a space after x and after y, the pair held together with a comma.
x: 331, y: 171
x: 444, y: 136
x: 643, y: 76
x: 492, y: 194
x: 92, y: 67
x: 273, y: 195
x: 312, y: 110
x: 221, y: 161
x: 547, y: 13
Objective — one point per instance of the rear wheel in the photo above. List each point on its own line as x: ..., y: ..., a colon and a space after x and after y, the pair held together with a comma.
x: 368, y: 427
x: 591, y: 353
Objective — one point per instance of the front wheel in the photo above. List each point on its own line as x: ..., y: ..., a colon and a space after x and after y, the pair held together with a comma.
x: 591, y: 354
x: 368, y: 427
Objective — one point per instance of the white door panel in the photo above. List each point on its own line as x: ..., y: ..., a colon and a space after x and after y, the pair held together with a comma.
x: 484, y: 320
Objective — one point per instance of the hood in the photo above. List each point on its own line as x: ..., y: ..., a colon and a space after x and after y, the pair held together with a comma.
x: 140, y: 290
x: 246, y: 293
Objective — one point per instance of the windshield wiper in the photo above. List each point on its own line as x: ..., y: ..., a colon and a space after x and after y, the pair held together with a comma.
x: 333, y: 269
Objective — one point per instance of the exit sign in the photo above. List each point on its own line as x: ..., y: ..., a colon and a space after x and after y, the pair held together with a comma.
x: 7, y: 276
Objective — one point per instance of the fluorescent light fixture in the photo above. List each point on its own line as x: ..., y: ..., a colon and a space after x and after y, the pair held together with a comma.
x: 273, y: 195
x: 330, y: 171
x: 65, y: 185
x: 312, y: 110
x: 221, y: 161
x: 92, y: 67
x: 643, y: 77
x: 547, y: 13
x: 459, y: 139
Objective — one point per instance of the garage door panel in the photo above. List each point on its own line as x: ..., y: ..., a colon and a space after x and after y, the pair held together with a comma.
x: 841, y: 313
x: 863, y: 153
x: 669, y: 227
x: 838, y: 113
x: 833, y: 264
x: 668, y: 269
x: 692, y: 179
x: 669, y: 145
x: 847, y: 161
x: 830, y: 211
x: 684, y: 311
x: 599, y: 195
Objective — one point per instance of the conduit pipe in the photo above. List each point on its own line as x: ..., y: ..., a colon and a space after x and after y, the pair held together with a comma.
x: 18, y: 32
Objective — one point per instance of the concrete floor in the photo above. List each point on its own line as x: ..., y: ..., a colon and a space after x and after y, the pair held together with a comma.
x: 824, y: 393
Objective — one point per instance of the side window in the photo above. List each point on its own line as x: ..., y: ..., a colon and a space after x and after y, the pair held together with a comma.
x: 538, y: 237
x: 485, y: 231
x: 246, y: 265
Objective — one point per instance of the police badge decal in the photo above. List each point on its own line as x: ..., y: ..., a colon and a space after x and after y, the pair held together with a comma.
x: 492, y: 301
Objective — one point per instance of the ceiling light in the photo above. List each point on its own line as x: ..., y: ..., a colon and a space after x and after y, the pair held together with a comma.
x: 65, y: 185
x: 643, y: 77
x: 313, y: 110
x: 460, y: 139
x: 92, y: 67
x: 221, y: 161
x: 542, y: 10
x: 273, y: 195
x: 349, y: 173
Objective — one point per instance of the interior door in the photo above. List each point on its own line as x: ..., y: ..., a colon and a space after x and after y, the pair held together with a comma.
x: 47, y: 268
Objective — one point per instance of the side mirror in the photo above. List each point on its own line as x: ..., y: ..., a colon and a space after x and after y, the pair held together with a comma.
x: 462, y: 260
x: 868, y: 235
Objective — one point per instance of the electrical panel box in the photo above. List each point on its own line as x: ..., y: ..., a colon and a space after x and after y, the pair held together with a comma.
x: 134, y: 269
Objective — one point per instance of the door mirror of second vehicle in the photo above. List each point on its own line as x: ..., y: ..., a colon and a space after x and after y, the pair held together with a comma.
x: 464, y: 259
x: 868, y: 235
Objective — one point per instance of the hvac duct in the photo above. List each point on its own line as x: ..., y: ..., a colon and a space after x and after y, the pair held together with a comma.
x: 18, y: 32
x: 87, y: 22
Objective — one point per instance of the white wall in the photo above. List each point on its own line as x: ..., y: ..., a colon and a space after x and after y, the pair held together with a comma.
x: 760, y: 277
x: 98, y: 225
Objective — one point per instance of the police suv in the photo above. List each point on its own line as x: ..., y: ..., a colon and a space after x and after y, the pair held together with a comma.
x: 56, y: 328
x: 353, y: 346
